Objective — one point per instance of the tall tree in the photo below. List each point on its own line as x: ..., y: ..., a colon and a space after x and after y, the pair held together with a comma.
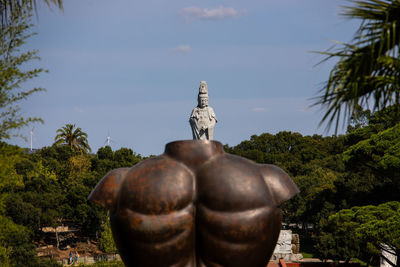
x: 374, y: 164
x: 368, y: 68
x: 13, y: 74
x: 76, y: 139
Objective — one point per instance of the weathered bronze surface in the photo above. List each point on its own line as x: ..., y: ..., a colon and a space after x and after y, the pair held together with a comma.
x: 195, y: 205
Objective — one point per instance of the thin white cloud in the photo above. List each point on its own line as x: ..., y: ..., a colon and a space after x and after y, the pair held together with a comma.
x: 185, y: 49
x: 259, y: 109
x: 78, y: 109
x: 304, y: 109
x: 218, y: 13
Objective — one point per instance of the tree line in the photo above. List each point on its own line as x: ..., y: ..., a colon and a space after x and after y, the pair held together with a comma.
x: 48, y: 188
x: 349, y: 188
x: 349, y: 184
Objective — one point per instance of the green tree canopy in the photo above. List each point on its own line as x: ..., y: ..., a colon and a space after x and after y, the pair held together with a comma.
x: 360, y: 232
x: 76, y: 139
x: 106, y: 241
x: 374, y: 164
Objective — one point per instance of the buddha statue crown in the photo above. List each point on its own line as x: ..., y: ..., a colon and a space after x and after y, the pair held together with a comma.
x: 203, y: 90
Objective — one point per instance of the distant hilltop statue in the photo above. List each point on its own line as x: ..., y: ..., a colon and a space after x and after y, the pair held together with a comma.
x: 203, y: 119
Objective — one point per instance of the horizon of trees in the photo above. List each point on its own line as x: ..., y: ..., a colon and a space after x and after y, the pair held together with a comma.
x: 344, y: 181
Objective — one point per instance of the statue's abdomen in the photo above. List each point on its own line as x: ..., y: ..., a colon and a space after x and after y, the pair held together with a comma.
x: 235, y: 214
x: 154, y: 222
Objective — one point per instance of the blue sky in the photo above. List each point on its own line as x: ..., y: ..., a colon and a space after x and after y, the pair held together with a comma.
x: 132, y: 69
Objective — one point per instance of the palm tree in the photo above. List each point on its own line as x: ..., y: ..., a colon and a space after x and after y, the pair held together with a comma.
x: 368, y: 68
x: 9, y: 6
x: 74, y: 138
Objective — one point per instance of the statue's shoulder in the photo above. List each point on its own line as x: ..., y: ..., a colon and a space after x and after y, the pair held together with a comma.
x: 106, y: 191
x: 280, y: 185
x: 194, y: 112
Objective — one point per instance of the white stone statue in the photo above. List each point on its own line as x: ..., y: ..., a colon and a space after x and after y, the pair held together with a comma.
x: 284, y: 243
x: 203, y: 119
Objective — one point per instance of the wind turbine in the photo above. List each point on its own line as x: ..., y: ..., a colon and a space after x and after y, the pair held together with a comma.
x: 109, y: 140
x: 31, y: 132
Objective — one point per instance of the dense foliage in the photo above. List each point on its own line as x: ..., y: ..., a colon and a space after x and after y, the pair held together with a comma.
x: 49, y: 188
x: 335, y: 174
x: 368, y: 230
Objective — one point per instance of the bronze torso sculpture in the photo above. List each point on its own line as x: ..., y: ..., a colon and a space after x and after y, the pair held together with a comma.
x: 195, y: 205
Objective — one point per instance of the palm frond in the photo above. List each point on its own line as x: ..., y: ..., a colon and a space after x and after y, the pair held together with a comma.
x: 368, y: 67
x: 75, y: 138
x: 7, y: 7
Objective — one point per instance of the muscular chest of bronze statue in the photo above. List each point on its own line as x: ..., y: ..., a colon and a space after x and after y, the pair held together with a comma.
x: 195, y: 205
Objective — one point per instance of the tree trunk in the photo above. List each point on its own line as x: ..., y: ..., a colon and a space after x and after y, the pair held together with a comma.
x: 304, y: 227
x: 369, y: 261
x: 57, y: 238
